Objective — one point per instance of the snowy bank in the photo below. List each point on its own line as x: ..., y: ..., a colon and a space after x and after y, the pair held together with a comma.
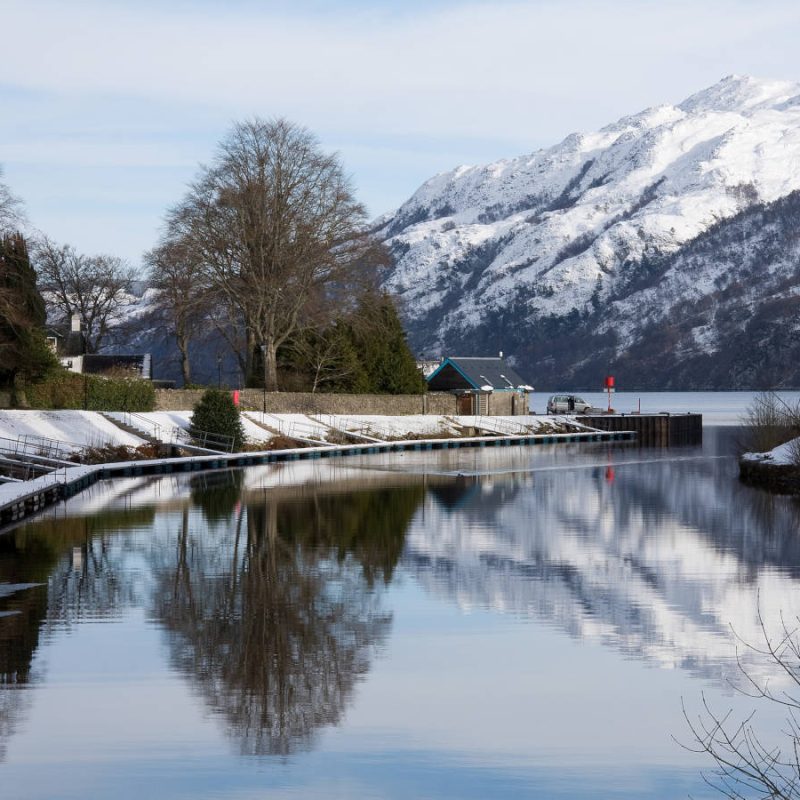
x: 22, y: 498
x: 76, y: 430
x: 777, y: 470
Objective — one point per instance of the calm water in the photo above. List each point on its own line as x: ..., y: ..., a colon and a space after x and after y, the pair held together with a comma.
x: 483, y: 624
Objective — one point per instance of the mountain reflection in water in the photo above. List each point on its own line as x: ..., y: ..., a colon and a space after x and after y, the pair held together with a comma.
x: 275, y: 600
x: 658, y: 561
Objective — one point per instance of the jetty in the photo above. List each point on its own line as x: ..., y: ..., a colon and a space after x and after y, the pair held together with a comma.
x: 662, y: 429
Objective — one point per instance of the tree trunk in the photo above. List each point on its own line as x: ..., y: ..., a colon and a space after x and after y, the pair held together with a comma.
x: 250, y: 363
x: 19, y: 398
x: 182, y: 340
x: 271, y: 367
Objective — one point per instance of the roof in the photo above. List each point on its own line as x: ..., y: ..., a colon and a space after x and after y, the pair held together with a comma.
x: 474, y: 374
x: 98, y: 363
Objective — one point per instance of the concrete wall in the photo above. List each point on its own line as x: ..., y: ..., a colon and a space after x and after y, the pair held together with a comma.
x: 501, y: 403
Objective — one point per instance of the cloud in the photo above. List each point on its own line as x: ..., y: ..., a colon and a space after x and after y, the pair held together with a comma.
x: 469, y: 67
x: 126, y: 86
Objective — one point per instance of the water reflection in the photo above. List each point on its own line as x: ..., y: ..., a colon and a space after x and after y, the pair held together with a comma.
x: 275, y: 618
x: 275, y: 598
x: 23, y: 607
x: 658, y: 562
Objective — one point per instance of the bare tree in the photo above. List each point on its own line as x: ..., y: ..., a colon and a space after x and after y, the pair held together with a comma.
x: 12, y: 216
x: 183, y: 296
x: 750, y: 764
x: 320, y: 352
x: 95, y: 287
x: 274, y: 222
x: 769, y: 421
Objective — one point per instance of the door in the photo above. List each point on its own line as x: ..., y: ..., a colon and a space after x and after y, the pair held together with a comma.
x: 465, y: 405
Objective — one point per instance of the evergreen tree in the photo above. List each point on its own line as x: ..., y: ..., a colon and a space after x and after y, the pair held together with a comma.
x: 217, y: 414
x: 24, y: 353
x: 362, y: 352
x: 380, y: 339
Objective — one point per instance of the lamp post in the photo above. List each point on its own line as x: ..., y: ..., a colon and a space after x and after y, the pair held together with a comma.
x: 264, y: 364
x: 84, y: 336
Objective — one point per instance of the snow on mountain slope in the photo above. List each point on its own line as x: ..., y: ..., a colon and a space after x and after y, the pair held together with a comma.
x: 488, y: 253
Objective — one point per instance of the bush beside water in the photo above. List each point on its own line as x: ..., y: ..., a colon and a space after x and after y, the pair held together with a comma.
x: 769, y: 422
x: 217, y: 414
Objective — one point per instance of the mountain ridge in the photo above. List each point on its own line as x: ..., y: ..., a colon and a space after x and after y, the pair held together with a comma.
x: 510, y: 254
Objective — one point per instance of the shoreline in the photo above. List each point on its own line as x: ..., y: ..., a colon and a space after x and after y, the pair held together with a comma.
x: 20, y: 501
x: 783, y: 479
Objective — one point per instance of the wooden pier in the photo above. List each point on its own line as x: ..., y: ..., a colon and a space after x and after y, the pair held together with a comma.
x: 652, y: 430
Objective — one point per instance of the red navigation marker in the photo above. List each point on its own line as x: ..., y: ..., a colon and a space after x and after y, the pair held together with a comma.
x: 609, y: 389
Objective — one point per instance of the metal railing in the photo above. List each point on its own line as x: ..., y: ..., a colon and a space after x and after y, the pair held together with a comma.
x: 299, y: 430
x: 206, y: 440
x: 358, y: 431
x: 29, y: 456
x: 41, y: 446
x: 142, y: 424
x: 501, y: 426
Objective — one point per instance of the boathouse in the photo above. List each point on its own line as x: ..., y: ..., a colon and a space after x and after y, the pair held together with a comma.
x: 482, y: 385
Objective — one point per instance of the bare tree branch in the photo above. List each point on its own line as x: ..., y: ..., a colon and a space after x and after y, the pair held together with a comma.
x: 274, y: 223
x: 747, y: 767
x: 94, y: 287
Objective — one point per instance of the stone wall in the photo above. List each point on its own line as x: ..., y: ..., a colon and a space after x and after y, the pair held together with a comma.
x: 500, y: 404
x: 308, y: 403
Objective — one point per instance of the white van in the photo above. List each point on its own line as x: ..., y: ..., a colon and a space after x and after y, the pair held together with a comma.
x: 567, y: 404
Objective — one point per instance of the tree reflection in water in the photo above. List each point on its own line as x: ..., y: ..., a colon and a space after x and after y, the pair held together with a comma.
x: 274, y: 602
x: 63, y: 572
x: 275, y: 618
x: 21, y: 615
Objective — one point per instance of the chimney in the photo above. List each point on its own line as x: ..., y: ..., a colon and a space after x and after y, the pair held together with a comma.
x: 75, y: 323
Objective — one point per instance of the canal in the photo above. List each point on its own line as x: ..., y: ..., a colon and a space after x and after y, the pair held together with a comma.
x: 496, y: 623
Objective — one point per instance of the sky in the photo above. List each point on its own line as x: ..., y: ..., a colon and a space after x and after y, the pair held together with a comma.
x: 110, y: 106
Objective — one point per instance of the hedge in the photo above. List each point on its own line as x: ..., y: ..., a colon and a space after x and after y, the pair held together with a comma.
x: 70, y: 390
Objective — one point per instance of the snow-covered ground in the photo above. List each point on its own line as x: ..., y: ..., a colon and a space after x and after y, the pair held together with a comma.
x: 321, y: 427
x: 74, y: 429
x: 161, y: 424
x: 79, y: 429
x: 783, y: 455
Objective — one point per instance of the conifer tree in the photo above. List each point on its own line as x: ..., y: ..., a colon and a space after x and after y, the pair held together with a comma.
x: 379, y: 336
x: 24, y: 354
x: 216, y: 413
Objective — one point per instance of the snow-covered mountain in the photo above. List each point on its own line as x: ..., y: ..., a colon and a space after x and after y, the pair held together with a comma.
x: 663, y: 247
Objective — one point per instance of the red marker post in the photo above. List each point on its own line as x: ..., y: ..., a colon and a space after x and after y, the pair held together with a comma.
x: 609, y: 389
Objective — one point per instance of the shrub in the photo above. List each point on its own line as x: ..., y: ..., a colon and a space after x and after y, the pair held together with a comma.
x: 112, y: 453
x: 770, y: 421
x: 215, y: 413
x: 65, y: 389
